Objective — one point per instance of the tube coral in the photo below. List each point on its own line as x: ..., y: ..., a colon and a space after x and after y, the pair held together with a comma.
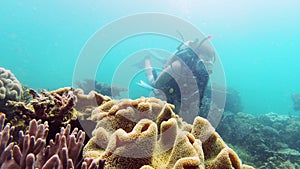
x: 31, y: 150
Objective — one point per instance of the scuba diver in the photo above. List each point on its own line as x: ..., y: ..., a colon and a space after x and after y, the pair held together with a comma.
x: 184, y: 78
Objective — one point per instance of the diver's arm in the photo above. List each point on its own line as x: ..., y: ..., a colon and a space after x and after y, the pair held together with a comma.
x: 149, y: 71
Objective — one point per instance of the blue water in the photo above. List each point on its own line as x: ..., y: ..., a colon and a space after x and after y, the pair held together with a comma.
x: 257, y: 43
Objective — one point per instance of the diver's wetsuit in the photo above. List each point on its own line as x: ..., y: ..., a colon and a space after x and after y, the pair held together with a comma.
x: 200, y: 75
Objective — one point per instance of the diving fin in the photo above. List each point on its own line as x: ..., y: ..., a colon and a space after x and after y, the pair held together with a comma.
x: 145, y: 85
x: 149, y: 87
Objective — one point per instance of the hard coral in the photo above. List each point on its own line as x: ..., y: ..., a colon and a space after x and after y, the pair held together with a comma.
x: 146, y: 133
x: 55, y: 106
x: 10, y: 88
x: 59, y: 107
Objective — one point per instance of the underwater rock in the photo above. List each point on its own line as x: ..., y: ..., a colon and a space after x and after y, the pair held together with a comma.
x: 233, y: 102
x: 296, y: 101
x: 10, y: 88
x: 146, y: 133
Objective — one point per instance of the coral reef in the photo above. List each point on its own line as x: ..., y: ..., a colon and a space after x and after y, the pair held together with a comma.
x: 55, y: 106
x: 59, y: 107
x: 146, y: 133
x: 266, y: 141
x: 143, y: 133
x: 10, y: 88
x: 31, y: 150
x: 89, y: 85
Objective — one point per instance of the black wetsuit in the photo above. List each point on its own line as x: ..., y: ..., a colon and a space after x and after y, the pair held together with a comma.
x: 201, y: 76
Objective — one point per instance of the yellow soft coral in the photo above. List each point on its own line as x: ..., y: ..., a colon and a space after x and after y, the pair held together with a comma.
x: 146, y: 133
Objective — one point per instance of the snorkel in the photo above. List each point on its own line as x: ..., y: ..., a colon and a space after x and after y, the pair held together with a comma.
x: 201, y: 48
x: 205, y: 39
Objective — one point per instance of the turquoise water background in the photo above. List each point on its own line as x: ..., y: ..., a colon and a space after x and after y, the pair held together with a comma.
x: 257, y: 41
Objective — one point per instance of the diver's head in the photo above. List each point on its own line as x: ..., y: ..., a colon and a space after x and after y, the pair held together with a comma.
x: 202, y: 48
x: 207, y: 56
x: 205, y: 53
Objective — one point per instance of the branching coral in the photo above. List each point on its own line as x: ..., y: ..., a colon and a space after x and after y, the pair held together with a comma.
x: 145, y: 133
x: 31, y: 150
x: 10, y: 88
x: 6, y: 144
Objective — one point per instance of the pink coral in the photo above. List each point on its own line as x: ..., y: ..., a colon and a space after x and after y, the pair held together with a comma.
x: 31, y: 150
